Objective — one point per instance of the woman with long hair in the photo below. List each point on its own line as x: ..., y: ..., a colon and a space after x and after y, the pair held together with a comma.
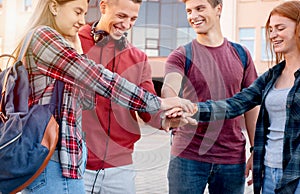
x: 54, y: 53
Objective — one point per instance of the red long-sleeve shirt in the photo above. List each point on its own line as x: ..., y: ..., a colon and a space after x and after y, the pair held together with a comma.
x: 112, y: 130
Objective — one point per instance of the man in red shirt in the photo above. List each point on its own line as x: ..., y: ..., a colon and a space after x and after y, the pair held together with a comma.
x: 112, y: 130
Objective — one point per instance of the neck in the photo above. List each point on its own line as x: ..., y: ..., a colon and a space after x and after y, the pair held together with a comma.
x: 212, y: 38
x: 212, y: 41
x: 100, y: 26
x: 292, y: 60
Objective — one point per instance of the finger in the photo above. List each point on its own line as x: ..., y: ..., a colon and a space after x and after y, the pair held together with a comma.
x: 187, y: 114
x: 175, y: 115
x: 191, y: 121
x: 250, y: 182
x: 195, y: 110
x: 174, y: 112
x: 187, y: 105
x: 167, y: 129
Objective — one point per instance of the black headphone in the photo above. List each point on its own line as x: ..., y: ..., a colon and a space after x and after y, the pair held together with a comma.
x: 102, y: 37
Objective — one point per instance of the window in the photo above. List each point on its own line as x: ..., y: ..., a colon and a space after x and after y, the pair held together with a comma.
x: 265, y: 51
x: 247, y: 38
x: 161, y: 27
x: 27, y: 5
x: 147, y: 39
x: 185, y: 35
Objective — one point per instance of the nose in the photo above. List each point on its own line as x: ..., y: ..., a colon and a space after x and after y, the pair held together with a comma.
x: 82, y: 20
x: 193, y: 15
x: 127, y: 24
x: 273, y: 33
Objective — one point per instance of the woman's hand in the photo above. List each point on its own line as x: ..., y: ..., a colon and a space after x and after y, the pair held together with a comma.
x: 249, y: 167
x: 176, y: 117
x: 179, y: 121
x: 176, y: 102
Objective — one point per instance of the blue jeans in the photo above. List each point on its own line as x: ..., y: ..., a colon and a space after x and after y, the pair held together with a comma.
x: 298, y: 188
x: 272, y: 177
x: 52, y: 181
x: 190, y: 177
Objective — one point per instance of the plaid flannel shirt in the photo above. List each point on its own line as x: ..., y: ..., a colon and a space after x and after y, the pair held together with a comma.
x: 246, y: 100
x: 50, y: 57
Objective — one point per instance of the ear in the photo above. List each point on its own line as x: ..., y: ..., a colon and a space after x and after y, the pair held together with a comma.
x: 103, y: 5
x: 219, y: 9
x: 53, y: 7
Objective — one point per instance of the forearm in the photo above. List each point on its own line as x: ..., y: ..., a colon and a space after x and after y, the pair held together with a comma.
x: 172, y: 85
x: 56, y: 59
x: 250, y: 121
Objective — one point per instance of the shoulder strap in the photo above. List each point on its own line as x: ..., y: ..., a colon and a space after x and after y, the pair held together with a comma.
x: 188, y: 57
x: 239, y: 49
x: 241, y: 52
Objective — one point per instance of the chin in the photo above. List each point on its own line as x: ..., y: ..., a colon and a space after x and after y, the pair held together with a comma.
x: 116, y: 37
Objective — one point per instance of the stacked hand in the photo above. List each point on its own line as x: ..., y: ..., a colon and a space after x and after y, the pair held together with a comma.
x: 178, y: 112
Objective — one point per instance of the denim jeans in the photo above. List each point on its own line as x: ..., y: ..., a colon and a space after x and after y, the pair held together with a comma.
x: 298, y: 188
x: 271, y: 178
x: 116, y: 180
x: 190, y: 177
x: 52, y: 181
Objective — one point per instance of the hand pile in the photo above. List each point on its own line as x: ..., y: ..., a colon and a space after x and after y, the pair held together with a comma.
x: 178, y: 112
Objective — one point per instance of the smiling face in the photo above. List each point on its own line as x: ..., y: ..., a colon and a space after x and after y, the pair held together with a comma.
x: 202, y: 16
x: 69, y: 16
x: 118, y: 16
x: 282, y: 34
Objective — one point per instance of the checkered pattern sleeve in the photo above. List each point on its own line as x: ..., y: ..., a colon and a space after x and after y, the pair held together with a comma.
x: 57, y: 59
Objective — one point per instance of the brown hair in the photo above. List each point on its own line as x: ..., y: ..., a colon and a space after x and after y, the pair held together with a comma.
x: 213, y: 3
x: 135, y: 1
x: 291, y: 10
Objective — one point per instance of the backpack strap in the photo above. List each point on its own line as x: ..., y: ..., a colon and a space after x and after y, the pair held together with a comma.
x: 188, y: 57
x: 239, y: 49
x: 241, y: 52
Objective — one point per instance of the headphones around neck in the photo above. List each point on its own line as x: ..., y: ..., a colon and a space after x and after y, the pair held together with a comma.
x: 102, y: 37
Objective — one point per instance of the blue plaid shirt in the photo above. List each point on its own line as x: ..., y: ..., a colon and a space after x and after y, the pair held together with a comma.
x: 247, y: 99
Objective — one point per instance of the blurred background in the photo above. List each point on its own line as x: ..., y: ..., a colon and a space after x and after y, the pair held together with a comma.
x: 161, y: 27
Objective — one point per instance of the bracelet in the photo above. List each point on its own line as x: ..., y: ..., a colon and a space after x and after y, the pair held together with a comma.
x: 251, y: 149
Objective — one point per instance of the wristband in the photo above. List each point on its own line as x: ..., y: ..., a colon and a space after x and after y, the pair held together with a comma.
x: 251, y: 149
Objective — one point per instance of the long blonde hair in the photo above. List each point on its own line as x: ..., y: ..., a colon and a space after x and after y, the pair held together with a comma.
x: 41, y: 16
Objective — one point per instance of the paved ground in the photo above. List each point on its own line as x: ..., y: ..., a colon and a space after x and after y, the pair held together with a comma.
x: 151, y: 159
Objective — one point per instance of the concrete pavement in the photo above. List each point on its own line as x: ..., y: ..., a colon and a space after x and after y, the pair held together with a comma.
x: 151, y: 157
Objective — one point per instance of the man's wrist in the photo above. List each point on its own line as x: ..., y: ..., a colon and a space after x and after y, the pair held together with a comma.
x: 251, y: 149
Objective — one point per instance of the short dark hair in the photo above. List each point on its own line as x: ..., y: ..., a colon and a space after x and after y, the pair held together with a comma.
x: 213, y: 3
x: 135, y: 1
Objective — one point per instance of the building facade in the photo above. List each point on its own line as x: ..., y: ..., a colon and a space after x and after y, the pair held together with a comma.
x: 161, y: 27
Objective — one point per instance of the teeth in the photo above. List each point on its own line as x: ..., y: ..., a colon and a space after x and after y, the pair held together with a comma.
x: 277, y: 42
x: 198, y: 22
x: 118, y: 31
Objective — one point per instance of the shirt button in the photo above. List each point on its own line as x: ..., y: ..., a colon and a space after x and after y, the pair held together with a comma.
x: 288, y: 106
